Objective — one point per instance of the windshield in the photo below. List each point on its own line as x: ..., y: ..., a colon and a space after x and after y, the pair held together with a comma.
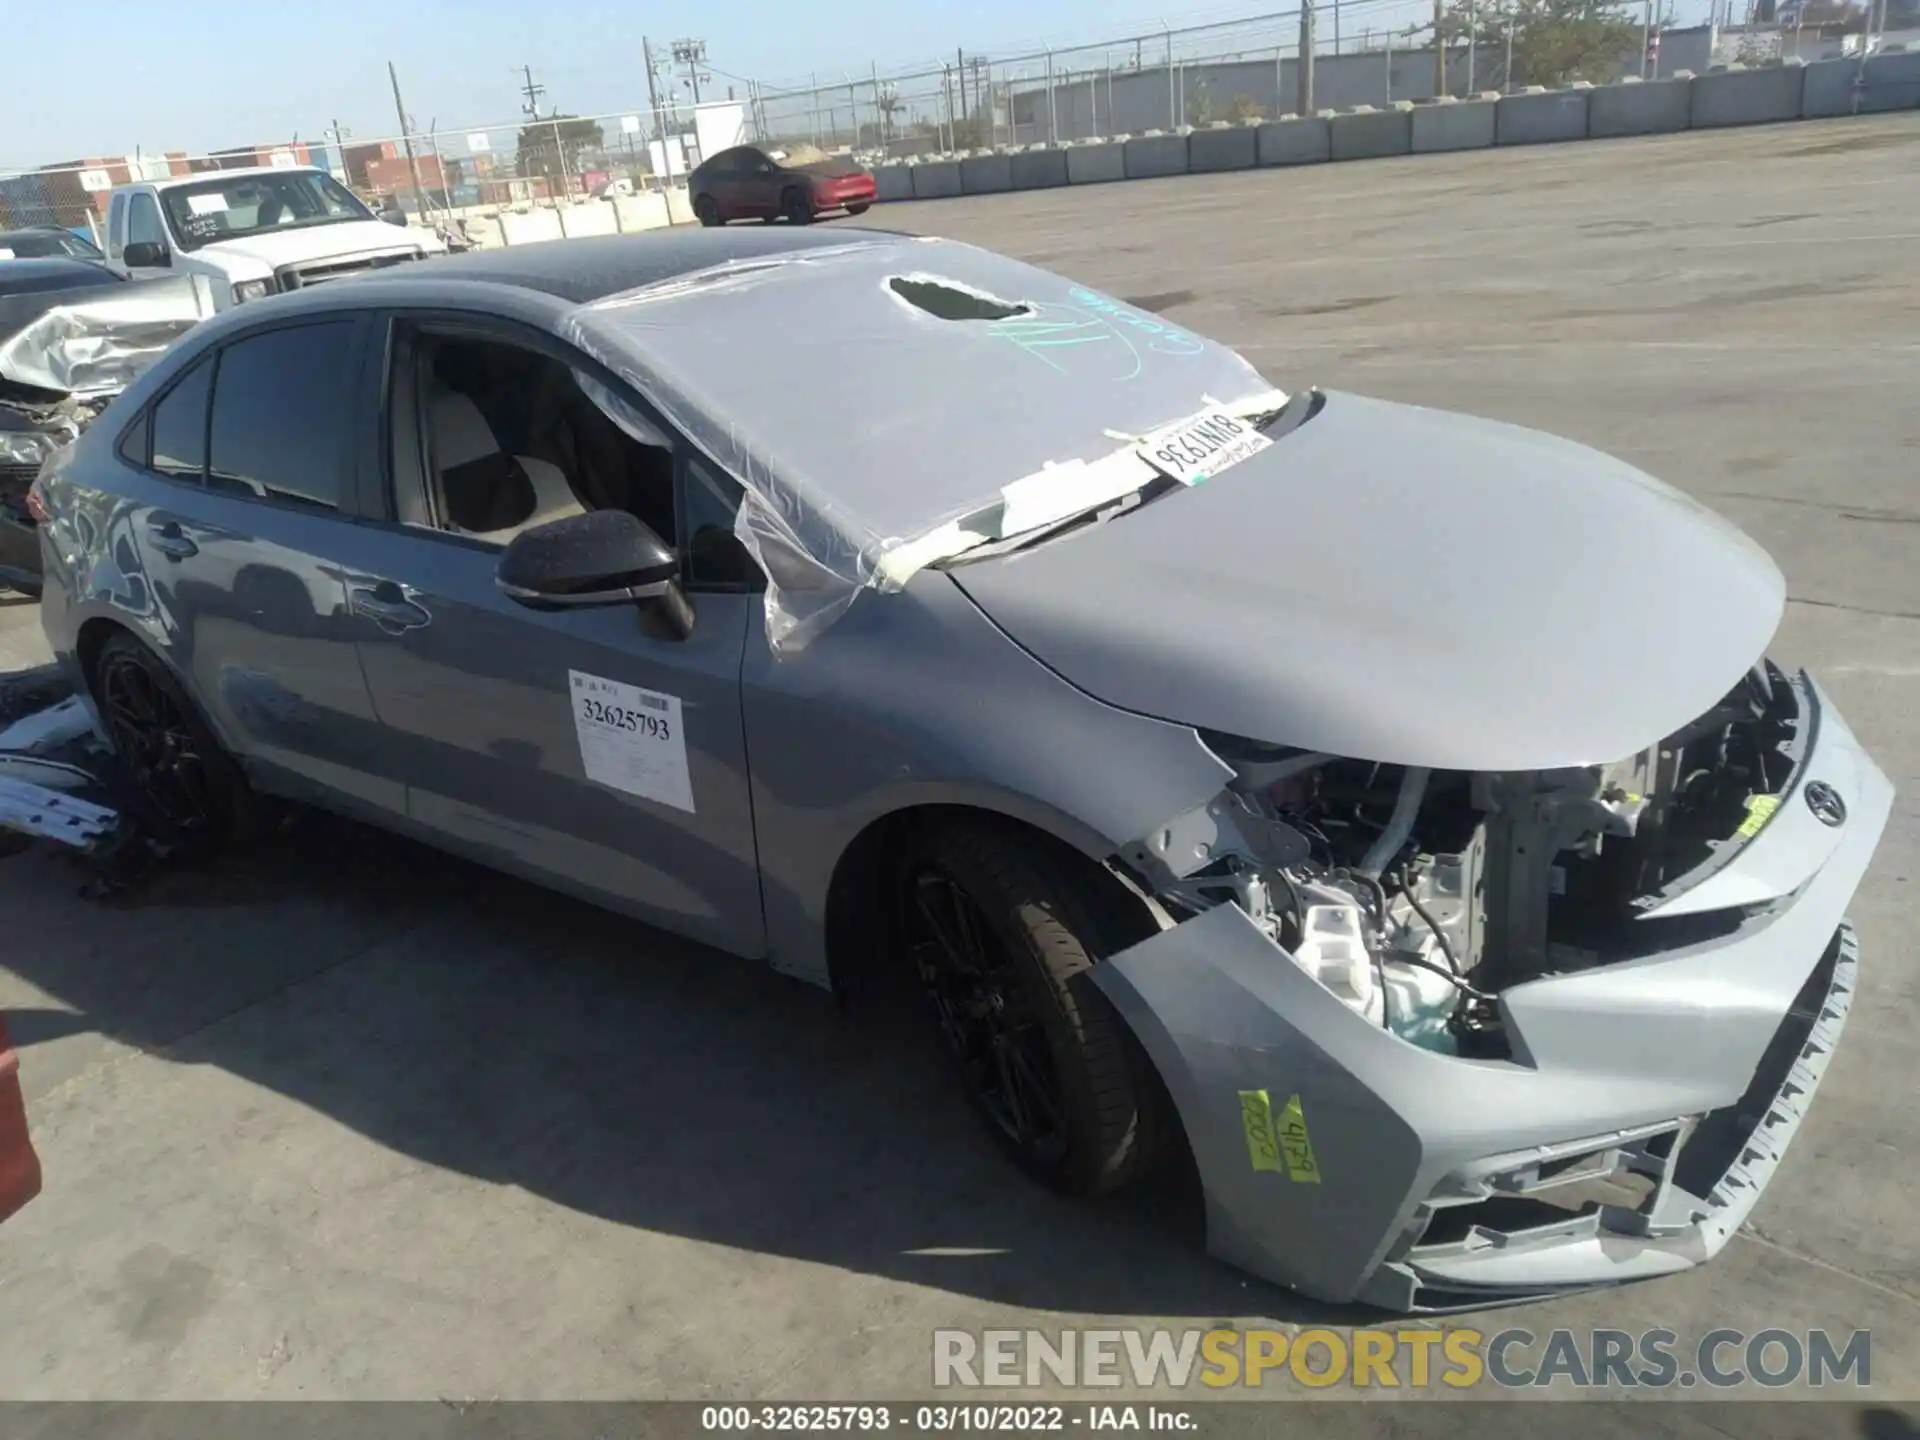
x: 215, y: 210
x: 797, y: 154
x: 896, y: 386
x: 42, y: 244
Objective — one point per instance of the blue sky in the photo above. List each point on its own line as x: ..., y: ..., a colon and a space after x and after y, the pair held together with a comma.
x: 221, y: 73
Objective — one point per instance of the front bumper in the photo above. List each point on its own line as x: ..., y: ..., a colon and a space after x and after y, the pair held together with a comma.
x: 1648, y: 1104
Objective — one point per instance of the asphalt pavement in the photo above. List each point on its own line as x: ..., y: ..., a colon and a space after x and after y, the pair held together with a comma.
x: 343, y: 1118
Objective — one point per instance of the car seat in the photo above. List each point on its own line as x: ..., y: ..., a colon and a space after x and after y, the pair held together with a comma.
x: 485, y: 492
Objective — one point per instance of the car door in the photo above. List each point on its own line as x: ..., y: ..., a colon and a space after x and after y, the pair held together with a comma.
x: 760, y: 181
x: 723, y: 183
x: 249, y: 457
x: 494, y: 710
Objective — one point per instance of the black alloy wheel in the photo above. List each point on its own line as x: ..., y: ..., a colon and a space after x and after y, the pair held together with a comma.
x: 194, y: 792
x: 989, y: 1020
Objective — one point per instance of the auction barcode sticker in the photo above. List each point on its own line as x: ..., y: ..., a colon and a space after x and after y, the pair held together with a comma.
x: 631, y: 739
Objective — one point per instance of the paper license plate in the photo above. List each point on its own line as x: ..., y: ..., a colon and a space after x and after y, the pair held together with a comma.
x: 1200, y: 448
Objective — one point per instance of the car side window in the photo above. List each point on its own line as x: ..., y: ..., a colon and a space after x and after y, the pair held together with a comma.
x: 116, y: 226
x: 716, y: 560
x: 282, y: 414
x: 180, y: 425
x: 143, y: 221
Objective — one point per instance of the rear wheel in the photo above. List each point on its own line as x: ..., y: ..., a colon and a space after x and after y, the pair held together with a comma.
x: 1002, y: 935
x: 195, y: 791
x: 706, y: 211
x: 797, y: 206
x: 859, y: 209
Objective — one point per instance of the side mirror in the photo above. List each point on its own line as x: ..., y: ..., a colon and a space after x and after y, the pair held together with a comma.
x: 605, y: 557
x: 145, y: 255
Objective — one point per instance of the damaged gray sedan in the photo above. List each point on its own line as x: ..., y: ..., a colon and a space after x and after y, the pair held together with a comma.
x: 1399, y: 807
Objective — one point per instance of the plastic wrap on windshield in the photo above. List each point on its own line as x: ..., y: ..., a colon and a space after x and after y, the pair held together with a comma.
x: 99, y: 345
x: 868, y: 395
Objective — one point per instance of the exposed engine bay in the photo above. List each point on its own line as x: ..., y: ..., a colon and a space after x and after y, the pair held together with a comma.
x: 1417, y: 896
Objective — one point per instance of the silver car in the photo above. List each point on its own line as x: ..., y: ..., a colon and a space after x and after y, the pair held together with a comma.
x: 1396, y: 807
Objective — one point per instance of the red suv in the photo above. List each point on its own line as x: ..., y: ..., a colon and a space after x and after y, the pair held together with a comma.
x: 793, y: 182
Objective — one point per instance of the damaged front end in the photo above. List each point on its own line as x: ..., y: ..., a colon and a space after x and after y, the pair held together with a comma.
x: 58, y: 372
x: 1529, y: 1032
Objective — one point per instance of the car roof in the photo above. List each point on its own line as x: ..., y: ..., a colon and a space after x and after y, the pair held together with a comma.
x: 23, y: 277
x: 239, y: 172
x: 594, y: 267
x: 6, y: 235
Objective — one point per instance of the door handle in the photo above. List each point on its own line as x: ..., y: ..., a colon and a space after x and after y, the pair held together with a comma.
x: 389, y: 606
x: 170, y: 540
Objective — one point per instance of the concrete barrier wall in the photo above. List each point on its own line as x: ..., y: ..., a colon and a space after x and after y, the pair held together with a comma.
x: 1294, y: 140
x: 986, y: 174
x: 596, y: 218
x: 1636, y: 107
x: 534, y: 225
x: 936, y: 179
x: 1453, y: 125
x: 1223, y: 147
x: 893, y: 182
x: 679, y: 208
x: 640, y: 212
x: 1039, y: 169
x: 1542, y: 117
x: 1099, y: 161
x: 1893, y: 83
x: 1150, y: 156
x: 485, y: 232
x: 1747, y: 97
x: 1365, y: 133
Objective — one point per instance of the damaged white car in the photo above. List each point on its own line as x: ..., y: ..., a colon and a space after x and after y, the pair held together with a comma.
x: 1400, y: 805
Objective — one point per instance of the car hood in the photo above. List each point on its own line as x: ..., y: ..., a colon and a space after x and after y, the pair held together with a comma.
x: 319, y: 242
x: 1404, y: 585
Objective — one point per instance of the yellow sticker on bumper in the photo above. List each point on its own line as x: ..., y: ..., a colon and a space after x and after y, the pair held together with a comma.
x: 1294, y: 1144
x: 1760, y: 809
x: 1278, y: 1147
x: 1256, y: 1118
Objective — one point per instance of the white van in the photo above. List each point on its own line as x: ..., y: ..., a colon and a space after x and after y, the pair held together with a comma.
x: 253, y: 232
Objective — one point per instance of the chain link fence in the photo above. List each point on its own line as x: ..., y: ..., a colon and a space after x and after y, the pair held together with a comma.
x: 1367, y: 52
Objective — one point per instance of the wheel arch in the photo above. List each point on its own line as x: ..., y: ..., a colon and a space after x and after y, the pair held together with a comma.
x: 857, y: 912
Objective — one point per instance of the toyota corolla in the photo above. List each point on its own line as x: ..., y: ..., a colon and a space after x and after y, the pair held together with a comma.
x: 1400, y: 807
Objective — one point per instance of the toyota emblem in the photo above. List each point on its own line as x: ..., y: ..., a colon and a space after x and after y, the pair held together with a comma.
x: 1826, y: 804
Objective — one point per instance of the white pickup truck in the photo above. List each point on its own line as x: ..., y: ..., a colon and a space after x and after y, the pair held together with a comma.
x: 253, y: 232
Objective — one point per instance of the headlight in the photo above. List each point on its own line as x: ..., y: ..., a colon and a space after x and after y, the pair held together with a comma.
x: 23, y: 447
x: 245, y: 290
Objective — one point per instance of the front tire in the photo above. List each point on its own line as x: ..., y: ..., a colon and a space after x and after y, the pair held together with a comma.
x: 797, y: 206
x: 707, y: 211
x: 1002, y: 934
x: 194, y: 791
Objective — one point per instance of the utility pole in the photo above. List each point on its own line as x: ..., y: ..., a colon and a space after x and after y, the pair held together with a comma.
x: 1473, y: 40
x: 1646, y: 39
x: 339, y: 133
x: 406, y: 140
x: 692, y: 54
x: 1439, y: 49
x: 1303, y: 80
x: 653, y: 103
x: 960, y: 71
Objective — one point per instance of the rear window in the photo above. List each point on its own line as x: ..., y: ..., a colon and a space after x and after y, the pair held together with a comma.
x: 281, y: 414
x: 180, y: 425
